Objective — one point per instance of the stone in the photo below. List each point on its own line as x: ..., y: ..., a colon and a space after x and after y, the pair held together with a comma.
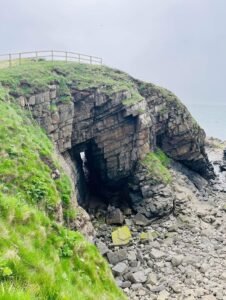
x: 152, y: 279
x: 125, y: 284
x: 115, y: 217
x: 156, y: 254
x: 177, y: 260
x: 149, y: 235
x: 176, y: 288
x: 102, y: 248
x: 204, y: 268
x: 208, y: 297
x: 163, y: 295
x: 121, y: 236
x: 120, y: 269
x: 117, y: 256
x: 140, y: 219
x: 136, y: 286
x: 223, y: 276
x: 138, y: 277
x: 31, y: 100
x: 132, y: 255
x: 127, y: 211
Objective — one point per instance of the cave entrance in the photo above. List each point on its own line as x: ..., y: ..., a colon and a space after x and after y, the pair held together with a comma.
x: 96, y: 191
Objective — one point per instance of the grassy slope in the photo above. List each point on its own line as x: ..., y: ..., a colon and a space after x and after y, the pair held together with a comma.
x: 34, y: 77
x: 40, y: 259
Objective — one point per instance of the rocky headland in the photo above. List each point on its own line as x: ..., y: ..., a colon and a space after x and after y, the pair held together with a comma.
x: 148, y: 185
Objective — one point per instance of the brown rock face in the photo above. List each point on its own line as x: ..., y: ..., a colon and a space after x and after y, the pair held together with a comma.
x: 115, y: 135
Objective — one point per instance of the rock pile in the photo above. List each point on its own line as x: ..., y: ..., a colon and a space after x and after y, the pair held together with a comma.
x: 180, y: 256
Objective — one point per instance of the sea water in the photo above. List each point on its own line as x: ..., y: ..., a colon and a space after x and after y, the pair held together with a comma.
x: 212, y: 118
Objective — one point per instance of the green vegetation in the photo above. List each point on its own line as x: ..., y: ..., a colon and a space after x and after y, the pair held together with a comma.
x: 146, y: 88
x: 157, y: 164
x: 33, y: 77
x: 39, y: 258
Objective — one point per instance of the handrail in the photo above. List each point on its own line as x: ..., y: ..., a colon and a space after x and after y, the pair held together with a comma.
x: 9, y: 59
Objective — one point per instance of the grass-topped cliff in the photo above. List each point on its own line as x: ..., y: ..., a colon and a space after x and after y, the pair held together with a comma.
x: 39, y: 258
x: 30, y: 78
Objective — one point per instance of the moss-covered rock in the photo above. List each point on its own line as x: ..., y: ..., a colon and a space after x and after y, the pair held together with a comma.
x: 149, y: 235
x: 121, y: 236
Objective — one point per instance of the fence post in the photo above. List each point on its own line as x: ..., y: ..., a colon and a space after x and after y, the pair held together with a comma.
x: 79, y: 58
x: 10, y: 60
x: 52, y: 55
x: 19, y: 58
x: 66, y: 56
x: 91, y: 60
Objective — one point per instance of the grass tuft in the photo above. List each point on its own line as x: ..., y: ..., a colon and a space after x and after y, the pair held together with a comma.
x: 157, y: 164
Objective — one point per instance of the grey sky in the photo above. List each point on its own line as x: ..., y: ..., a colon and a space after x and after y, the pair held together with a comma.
x: 179, y: 44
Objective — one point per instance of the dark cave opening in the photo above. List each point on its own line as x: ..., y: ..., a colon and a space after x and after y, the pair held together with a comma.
x: 159, y: 140
x: 96, y: 191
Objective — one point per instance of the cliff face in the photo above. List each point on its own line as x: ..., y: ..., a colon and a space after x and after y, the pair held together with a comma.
x: 116, y: 122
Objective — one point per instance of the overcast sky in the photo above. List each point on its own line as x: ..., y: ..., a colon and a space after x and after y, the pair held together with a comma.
x: 179, y: 44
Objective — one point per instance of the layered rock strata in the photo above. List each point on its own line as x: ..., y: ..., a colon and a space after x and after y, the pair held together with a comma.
x: 116, y: 132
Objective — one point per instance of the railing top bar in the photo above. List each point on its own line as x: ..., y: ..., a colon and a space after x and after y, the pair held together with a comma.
x: 83, y: 55
x: 48, y: 51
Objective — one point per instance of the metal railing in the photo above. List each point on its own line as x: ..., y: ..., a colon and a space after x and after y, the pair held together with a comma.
x: 11, y: 59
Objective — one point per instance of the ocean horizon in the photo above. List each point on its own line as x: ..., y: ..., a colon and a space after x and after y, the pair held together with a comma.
x: 212, y: 118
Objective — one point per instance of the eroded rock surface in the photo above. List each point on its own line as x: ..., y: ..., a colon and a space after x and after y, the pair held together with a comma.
x: 116, y: 131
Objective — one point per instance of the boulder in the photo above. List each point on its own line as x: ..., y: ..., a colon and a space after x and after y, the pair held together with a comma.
x: 120, y: 269
x: 121, y: 236
x: 140, y: 219
x: 138, y: 277
x: 115, y: 217
x: 102, y: 247
x: 117, y: 256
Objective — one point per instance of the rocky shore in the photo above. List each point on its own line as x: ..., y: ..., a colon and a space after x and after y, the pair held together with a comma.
x: 179, y: 256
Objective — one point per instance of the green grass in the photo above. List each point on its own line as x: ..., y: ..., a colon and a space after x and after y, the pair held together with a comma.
x: 157, y: 164
x: 34, y: 77
x: 40, y: 259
